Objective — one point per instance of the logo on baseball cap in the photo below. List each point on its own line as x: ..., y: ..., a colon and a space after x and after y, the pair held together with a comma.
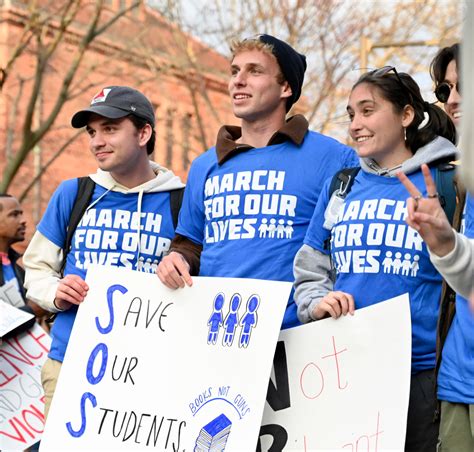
x: 116, y: 102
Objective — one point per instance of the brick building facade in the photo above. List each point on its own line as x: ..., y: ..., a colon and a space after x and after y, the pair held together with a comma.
x: 185, y: 80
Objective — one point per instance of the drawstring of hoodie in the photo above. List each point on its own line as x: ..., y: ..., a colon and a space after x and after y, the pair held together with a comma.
x: 139, y: 215
x: 139, y: 212
x: 163, y: 181
x: 372, y: 164
x: 100, y: 197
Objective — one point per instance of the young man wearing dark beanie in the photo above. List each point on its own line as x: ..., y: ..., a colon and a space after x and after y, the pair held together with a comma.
x: 249, y: 199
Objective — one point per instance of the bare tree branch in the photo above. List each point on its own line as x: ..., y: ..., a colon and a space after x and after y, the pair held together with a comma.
x: 44, y: 52
x: 38, y: 176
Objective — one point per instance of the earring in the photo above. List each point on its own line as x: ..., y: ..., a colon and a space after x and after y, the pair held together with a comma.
x: 405, y: 133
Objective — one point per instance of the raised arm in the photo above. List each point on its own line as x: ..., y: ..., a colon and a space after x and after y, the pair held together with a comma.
x: 450, y: 252
x: 426, y: 215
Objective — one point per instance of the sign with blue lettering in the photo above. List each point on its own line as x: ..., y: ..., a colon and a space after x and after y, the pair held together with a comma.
x: 151, y: 368
x: 342, y: 384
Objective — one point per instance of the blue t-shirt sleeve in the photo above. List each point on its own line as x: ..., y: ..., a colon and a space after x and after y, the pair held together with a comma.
x: 469, y: 217
x: 191, y: 215
x: 55, y: 220
x: 351, y: 158
x: 316, y: 235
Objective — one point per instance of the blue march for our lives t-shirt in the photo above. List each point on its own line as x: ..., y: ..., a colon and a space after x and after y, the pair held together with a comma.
x: 456, y: 374
x: 377, y: 256
x: 251, y: 213
x: 112, y: 232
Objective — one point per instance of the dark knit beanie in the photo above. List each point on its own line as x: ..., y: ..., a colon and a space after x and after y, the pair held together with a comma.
x: 292, y: 65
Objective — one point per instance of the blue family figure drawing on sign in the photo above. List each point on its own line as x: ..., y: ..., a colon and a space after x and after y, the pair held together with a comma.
x: 249, y: 320
x: 215, y: 321
x: 232, y: 320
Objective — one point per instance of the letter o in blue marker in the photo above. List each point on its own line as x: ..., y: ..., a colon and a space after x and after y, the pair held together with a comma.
x: 93, y: 380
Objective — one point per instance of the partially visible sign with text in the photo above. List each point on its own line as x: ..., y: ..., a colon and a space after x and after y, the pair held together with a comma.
x: 342, y: 384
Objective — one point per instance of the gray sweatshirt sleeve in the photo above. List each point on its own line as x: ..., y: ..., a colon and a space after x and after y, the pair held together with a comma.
x: 457, y: 267
x: 312, y: 272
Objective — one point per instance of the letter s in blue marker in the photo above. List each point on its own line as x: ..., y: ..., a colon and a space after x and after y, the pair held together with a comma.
x: 110, y: 293
x: 80, y: 432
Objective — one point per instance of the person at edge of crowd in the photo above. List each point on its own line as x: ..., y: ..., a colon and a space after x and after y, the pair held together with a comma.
x: 444, y: 72
x: 249, y: 199
x: 393, y: 129
x: 12, y: 230
x: 131, y: 198
x: 452, y: 254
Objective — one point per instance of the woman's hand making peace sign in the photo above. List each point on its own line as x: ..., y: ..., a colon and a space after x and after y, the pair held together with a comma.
x: 426, y: 215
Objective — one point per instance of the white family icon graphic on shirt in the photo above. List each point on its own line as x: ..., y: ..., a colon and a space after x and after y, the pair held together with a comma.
x: 147, y: 265
x: 405, y: 267
x: 273, y: 229
x: 231, y: 321
x: 400, y: 263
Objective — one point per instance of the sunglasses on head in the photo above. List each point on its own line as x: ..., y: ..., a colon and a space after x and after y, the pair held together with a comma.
x: 443, y: 91
x: 385, y: 70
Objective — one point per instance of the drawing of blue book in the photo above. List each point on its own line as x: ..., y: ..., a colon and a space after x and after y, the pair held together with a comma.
x: 213, y: 436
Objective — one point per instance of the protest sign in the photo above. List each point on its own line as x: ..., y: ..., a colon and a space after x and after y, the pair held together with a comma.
x: 10, y: 293
x: 342, y: 384
x: 21, y: 394
x: 148, y: 367
x: 11, y: 318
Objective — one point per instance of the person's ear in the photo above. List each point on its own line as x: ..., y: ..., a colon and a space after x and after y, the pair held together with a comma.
x: 286, y: 90
x: 144, y: 134
x: 408, y: 115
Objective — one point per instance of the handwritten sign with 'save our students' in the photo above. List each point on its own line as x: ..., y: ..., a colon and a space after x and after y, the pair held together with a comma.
x: 21, y: 394
x: 151, y: 368
x: 342, y: 384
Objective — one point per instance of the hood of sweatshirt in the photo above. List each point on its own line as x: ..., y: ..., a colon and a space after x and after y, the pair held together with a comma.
x: 164, y: 180
x: 438, y: 149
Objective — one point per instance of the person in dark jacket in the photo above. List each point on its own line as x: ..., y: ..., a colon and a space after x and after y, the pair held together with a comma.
x: 12, y: 275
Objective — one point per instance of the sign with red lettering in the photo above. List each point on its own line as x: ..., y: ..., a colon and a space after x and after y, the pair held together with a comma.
x: 151, y: 368
x: 342, y: 384
x: 21, y: 393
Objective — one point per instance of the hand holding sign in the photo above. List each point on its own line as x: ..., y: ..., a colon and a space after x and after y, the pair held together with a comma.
x: 72, y: 289
x: 334, y: 304
x: 426, y: 215
x: 173, y: 271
